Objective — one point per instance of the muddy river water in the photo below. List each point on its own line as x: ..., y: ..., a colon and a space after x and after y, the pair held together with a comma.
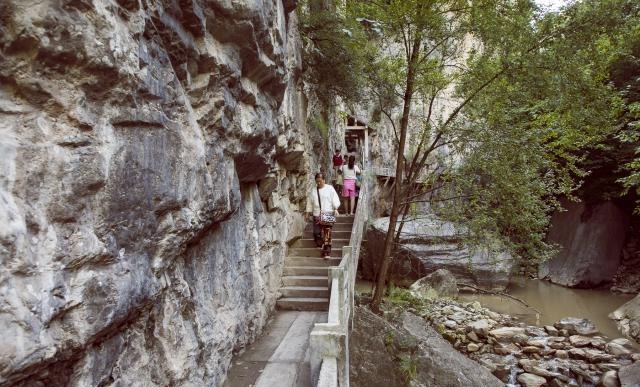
x: 554, y: 302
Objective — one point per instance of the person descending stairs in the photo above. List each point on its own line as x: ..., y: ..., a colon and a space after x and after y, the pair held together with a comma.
x: 305, y: 278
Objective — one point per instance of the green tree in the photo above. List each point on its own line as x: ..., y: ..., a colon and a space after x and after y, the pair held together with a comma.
x: 531, y: 94
x: 430, y: 38
x: 332, y: 60
x: 542, y: 128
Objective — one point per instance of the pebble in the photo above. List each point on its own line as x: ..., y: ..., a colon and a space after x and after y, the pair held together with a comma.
x: 610, y: 379
x: 450, y: 324
x: 481, y: 327
x: 472, y: 336
x: 531, y: 380
x: 551, y: 330
x: 619, y: 347
x: 531, y: 349
x: 579, y: 341
x: 542, y: 342
x: 506, y: 333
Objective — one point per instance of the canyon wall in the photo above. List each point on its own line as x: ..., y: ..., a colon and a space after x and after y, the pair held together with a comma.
x: 590, y: 238
x: 152, y: 170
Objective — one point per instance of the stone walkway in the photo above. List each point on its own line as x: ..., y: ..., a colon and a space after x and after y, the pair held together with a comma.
x: 280, y: 357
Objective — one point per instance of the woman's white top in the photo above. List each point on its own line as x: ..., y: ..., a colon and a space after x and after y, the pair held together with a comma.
x: 350, y: 174
x: 329, y: 198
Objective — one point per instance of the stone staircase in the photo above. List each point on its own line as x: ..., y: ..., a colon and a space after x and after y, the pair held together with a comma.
x: 305, y: 278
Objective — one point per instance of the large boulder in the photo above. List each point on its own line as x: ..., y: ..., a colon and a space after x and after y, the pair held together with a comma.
x: 591, y: 237
x: 440, y: 283
x: 429, y: 244
x: 628, y: 318
x: 409, y: 340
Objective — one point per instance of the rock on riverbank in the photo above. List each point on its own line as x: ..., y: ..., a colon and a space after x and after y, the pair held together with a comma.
x: 628, y: 318
x: 569, y: 353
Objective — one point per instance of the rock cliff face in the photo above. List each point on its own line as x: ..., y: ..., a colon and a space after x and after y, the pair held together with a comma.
x: 152, y: 165
x: 590, y: 239
x: 627, y: 278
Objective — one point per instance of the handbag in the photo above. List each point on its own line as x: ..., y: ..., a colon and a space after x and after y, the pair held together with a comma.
x: 325, y: 219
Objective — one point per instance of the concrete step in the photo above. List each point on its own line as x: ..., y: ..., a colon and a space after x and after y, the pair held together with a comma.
x: 287, y: 303
x: 310, y: 242
x: 335, y: 234
x: 313, y: 252
x: 342, y: 227
x: 336, y: 227
x: 306, y: 280
x: 306, y: 270
x: 311, y: 261
x: 305, y: 292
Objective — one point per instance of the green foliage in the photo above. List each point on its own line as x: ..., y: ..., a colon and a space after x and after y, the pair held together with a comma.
x: 319, y: 123
x: 402, y: 297
x: 533, y: 99
x: 531, y: 136
x: 332, y: 55
x: 408, y: 367
x: 625, y: 74
x: 389, y: 338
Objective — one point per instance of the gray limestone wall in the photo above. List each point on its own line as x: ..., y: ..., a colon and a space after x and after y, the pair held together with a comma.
x: 152, y: 169
x: 590, y: 238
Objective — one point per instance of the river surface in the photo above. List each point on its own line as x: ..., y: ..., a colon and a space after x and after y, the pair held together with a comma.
x: 554, y: 302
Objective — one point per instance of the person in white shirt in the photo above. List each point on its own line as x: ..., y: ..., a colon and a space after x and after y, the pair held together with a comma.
x: 322, y: 196
x: 350, y: 174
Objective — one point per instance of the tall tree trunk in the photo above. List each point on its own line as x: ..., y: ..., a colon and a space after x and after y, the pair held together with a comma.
x: 383, y: 272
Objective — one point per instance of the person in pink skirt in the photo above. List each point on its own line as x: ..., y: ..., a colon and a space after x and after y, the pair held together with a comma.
x: 350, y: 174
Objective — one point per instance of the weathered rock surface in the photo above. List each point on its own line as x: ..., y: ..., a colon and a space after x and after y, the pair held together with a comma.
x: 440, y: 283
x: 627, y: 279
x: 628, y: 318
x: 376, y: 341
x: 630, y: 375
x: 531, y: 380
x: 152, y: 165
x: 591, y: 238
x: 430, y: 244
x: 577, y: 326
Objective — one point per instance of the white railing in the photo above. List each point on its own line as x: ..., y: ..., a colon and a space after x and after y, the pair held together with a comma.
x: 329, y: 342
